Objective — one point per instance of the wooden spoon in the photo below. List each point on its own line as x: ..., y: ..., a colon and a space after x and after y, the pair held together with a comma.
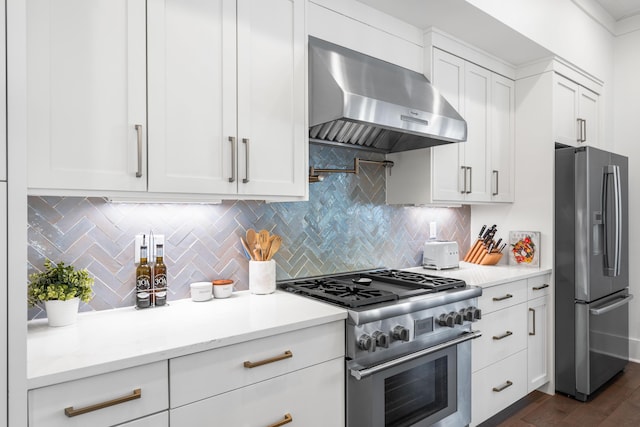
x: 275, y: 245
x: 252, y: 239
x: 263, y: 241
x: 246, y: 248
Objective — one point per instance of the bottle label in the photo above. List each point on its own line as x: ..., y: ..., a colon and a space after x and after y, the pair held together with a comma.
x: 160, y: 281
x: 143, y: 283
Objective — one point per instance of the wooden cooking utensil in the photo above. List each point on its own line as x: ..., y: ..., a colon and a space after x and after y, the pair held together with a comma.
x: 245, y: 245
x: 264, y: 242
x: 275, y: 245
x: 252, y: 239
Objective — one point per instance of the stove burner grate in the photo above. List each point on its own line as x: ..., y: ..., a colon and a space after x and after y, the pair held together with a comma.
x: 400, y: 277
x: 343, y: 293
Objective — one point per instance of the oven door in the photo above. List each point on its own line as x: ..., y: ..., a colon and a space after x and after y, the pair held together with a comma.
x: 431, y: 387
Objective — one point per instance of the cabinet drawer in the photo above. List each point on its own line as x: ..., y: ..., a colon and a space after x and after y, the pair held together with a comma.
x: 157, y: 420
x: 311, y: 397
x: 502, y: 296
x: 47, y: 404
x: 538, y: 286
x: 498, y: 386
x: 201, y: 375
x: 504, y: 332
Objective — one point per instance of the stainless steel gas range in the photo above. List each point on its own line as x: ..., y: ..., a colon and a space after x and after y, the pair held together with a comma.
x: 408, y: 349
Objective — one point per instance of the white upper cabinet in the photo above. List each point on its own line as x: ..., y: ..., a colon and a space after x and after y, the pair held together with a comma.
x: 576, y: 117
x: 226, y: 119
x: 86, y: 94
x: 226, y: 98
x: 479, y: 170
x: 502, y: 173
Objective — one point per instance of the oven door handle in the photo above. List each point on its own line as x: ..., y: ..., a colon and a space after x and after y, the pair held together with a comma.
x: 359, y: 374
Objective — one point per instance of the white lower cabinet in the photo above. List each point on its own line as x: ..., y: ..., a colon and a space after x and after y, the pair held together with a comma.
x: 157, y: 420
x: 511, y: 358
x: 309, y: 397
x: 102, y: 400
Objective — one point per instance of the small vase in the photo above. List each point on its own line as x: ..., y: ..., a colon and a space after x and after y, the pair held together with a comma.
x: 62, y: 313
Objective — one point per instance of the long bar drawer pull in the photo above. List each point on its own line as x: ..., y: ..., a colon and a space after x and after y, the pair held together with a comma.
x: 70, y: 412
x: 503, y: 386
x: 506, y: 334
x: 534, y: 321
x: 287, y: 419
x: 507, y: 296
x: 539, y: 288
x: 287, y: 355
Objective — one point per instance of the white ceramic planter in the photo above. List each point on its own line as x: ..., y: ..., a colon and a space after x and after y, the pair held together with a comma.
x: 62, y: 313
x: 262, y: 277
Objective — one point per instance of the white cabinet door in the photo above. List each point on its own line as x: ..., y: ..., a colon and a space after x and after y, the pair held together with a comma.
x: 447, y: 160
x: 157, y: 420
x: 310, y: 397
x: 3, y: 96
x: 588, y: 110
x: 192, y: 96
x: 86, y: 94
x: 502, y: 174
x: 537, y: 350
x: 272, y: 135
x: 477, y: 151
x: 565, y: 113
x: 3, y: 301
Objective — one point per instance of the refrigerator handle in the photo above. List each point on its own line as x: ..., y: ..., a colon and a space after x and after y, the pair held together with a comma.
x: 612, y: 267
x: 607, y: 308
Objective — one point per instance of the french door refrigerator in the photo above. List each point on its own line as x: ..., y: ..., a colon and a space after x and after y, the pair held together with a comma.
x: 591, y: 269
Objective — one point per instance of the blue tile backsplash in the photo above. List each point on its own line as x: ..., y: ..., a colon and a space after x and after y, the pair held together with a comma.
x: 344, y: 226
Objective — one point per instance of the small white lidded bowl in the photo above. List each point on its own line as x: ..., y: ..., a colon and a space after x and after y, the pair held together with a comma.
x: 222, y: 288
x: 201, y: 291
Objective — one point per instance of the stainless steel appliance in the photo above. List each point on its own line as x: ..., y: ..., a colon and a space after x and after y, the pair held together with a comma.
x: 591, y: 269
x: 408, y: 349
x: 364, y: 102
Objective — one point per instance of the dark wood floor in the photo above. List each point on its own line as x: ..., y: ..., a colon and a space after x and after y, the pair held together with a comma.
x: 617, y: 405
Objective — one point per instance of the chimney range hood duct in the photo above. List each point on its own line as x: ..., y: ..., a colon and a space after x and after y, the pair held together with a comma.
x: 362, y: 101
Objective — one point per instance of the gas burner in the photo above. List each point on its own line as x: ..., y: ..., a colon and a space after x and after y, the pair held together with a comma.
x: 424, y: 280
x: 343, y: 293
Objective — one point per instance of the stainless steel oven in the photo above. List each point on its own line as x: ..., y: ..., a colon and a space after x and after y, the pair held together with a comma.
x: 408, y: 349
x: 431, y: 387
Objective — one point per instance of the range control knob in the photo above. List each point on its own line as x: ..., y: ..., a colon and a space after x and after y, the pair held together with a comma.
x: 457, y: 317
x: 400, y: 333
x: 446, y: 320
x: 365, y: 342
x: 467, y: 313
x: 477, y: 313
x: 381, y: 339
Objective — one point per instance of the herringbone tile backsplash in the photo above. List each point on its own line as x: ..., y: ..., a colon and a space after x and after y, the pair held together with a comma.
x: 344, y: 226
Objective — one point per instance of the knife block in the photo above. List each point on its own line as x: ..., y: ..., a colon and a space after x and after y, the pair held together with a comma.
x: 478, y: 255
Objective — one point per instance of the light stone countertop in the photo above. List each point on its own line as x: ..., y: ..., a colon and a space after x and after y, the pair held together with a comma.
x: 486, y: 275
x: 105, y: 341
x: 110, y: 340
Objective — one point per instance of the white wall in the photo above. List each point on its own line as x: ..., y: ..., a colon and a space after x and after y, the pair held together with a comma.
x: 627, y: 142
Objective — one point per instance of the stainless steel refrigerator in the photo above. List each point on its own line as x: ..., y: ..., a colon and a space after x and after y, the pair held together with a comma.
x: 591, y: 269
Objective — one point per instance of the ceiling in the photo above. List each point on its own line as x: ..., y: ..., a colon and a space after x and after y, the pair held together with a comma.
x: 621, y: 9
x: 462, y: 20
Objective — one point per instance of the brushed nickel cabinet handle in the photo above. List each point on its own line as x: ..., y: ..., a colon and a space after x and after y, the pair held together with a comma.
x: 287, y: 419
x: 232, y: 140
x: 71, y: 412
x: 470, y: 180
x: 506, y: 334
x: 539, y: 288
x: 245, y: 141
x: 534, y: 321
x: 464, y: 171
x: 286, y: 355
x: 139, y: 134
x: 507, y: 296
x: 503, y: 386
x: 496, y: 174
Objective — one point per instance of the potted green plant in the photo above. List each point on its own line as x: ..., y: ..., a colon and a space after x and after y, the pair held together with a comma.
x: 60, y: 287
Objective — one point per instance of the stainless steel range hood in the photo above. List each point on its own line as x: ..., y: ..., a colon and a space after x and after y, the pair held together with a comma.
x: 362, y: 101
